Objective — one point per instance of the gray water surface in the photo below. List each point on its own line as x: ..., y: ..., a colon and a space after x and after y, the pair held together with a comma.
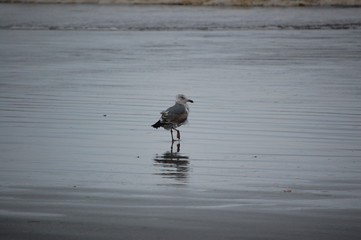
x: 266, y: 103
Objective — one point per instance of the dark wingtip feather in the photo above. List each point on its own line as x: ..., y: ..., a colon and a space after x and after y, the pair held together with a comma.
x: 157, y: 124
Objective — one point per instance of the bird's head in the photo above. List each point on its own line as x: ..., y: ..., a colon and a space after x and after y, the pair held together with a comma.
x: 181, y: 99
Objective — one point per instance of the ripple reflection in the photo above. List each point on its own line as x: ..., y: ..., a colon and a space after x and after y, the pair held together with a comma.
x: 173, y: 164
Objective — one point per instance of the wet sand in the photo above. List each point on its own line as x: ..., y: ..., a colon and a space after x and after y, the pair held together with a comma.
x: 271, y: 151
x: 78, y: 213
x: 240, y: 3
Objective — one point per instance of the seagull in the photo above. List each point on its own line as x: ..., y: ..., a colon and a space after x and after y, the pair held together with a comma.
x: 174, y: 116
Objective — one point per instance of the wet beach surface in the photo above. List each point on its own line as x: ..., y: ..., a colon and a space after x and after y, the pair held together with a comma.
x: 272, y: 148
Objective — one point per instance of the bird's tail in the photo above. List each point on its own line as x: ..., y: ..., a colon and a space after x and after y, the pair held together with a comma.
x: 157, y: 124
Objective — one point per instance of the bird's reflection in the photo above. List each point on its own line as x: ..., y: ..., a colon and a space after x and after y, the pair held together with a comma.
x: 173, y: 164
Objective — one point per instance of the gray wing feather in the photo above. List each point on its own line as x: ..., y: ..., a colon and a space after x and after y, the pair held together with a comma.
x: 175, y: 114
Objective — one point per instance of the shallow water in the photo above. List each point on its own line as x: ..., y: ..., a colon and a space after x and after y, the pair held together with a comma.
x: 275, y: 112
x: 265, y: 103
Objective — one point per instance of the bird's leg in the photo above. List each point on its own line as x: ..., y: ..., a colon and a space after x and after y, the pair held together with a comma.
x: 171, y: 133
x: 171, y: 148
x: 178, y: 134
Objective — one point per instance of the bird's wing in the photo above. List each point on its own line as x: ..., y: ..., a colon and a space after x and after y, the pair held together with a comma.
x: 175, y: 114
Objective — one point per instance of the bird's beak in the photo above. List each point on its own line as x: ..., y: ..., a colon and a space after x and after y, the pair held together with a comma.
x: 189, y: 100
